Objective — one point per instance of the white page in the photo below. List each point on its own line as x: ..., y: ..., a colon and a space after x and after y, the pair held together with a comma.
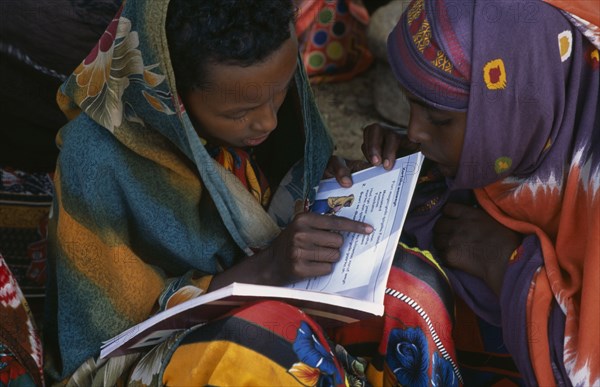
x: 381, y: 199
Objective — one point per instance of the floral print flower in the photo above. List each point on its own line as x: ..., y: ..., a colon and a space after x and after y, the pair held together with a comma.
x: 146, y: 371
x: 442, y: 374
x: 316, y: 366
x: 305, y: 374
x: 355, y: 367
x: 408, y: 356
x: 10, y: 368
x: 502, y: 164
x: 9, y: 291
x: 107, y: 71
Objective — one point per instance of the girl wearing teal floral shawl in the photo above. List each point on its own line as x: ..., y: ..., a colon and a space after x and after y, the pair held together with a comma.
x: 163, y: 182
x: 183, y: 117
x: 193, y: 138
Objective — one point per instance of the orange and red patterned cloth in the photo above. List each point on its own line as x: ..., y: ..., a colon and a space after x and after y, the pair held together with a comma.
x: 25, y: 200
x: 20, y: 346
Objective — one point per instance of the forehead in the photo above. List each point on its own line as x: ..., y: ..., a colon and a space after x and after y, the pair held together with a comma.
x: 233, y: 84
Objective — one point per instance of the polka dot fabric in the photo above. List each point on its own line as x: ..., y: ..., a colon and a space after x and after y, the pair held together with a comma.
x: 333, y: 39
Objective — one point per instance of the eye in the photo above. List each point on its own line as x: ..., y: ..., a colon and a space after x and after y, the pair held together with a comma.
x: 238, y: 116
x: 438, y: 118
x: 443, y: 122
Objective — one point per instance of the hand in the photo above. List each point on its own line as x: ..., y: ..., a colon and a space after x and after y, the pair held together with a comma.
x: 383, y: 143
x: 469, y: 239
x: 309, y: 247
x: 342, y: 169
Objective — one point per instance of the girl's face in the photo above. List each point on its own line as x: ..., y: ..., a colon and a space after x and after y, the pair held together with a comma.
x: 440, y: 133
x: 239, y: 105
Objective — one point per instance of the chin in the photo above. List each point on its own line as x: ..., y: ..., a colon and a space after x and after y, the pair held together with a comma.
x: 446, y: 171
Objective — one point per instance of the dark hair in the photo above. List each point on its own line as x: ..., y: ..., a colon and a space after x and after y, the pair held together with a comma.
x: 233, y: 32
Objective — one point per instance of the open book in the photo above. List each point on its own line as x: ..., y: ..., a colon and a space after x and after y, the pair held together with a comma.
x: 355, y: 288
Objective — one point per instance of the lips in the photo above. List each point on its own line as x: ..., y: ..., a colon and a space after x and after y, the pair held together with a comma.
x: 433, y: 160
x: 426, y: 154
x: 255, y: 140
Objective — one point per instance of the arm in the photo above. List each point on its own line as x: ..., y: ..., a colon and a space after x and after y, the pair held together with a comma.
x: 470, y: 240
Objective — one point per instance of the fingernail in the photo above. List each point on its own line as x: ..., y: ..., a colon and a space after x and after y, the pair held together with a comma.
x: 386, y: 163
x: 369, y: 229
x: 375, y: 160
x: 346, y: 181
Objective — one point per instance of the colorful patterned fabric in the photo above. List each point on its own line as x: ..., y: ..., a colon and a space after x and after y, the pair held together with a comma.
x: 431, y: 66
x: 141, y: 207
x: 532, y: 155
x: 271, y: 343
x: 20, y: 346
x: 25, y: 200
x: 268, y: 342
x: 333, y: 37
x: 243, y: 165
x: 411, y: 345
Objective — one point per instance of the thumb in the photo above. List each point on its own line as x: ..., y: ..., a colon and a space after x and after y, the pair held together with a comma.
x: 338, y: 168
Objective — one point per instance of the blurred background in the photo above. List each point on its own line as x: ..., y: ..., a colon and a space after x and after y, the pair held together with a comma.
x: 343, y: 44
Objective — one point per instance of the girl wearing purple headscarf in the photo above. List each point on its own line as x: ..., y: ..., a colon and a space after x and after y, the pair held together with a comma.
x: 505, y: 105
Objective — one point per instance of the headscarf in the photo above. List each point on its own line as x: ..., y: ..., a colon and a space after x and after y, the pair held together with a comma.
x: 141, y: 207
x: 529, y: 82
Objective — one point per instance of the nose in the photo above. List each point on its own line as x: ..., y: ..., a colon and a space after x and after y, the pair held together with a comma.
x: 265, y: 119
x: 417, y: 131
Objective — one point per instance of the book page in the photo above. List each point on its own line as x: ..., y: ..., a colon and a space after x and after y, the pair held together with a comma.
x: 381, y: 199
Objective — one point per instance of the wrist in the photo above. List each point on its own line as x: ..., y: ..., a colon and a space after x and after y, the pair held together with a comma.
x: 255, y: 269
x: 495, y: 279
x: 495, y: 276
x: 266, y: 271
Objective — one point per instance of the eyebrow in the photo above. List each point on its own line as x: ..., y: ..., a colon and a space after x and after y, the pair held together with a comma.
x: 250, y: 107
x: 416, y: 100
x: 419, y: 102
x: 422, y: 103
